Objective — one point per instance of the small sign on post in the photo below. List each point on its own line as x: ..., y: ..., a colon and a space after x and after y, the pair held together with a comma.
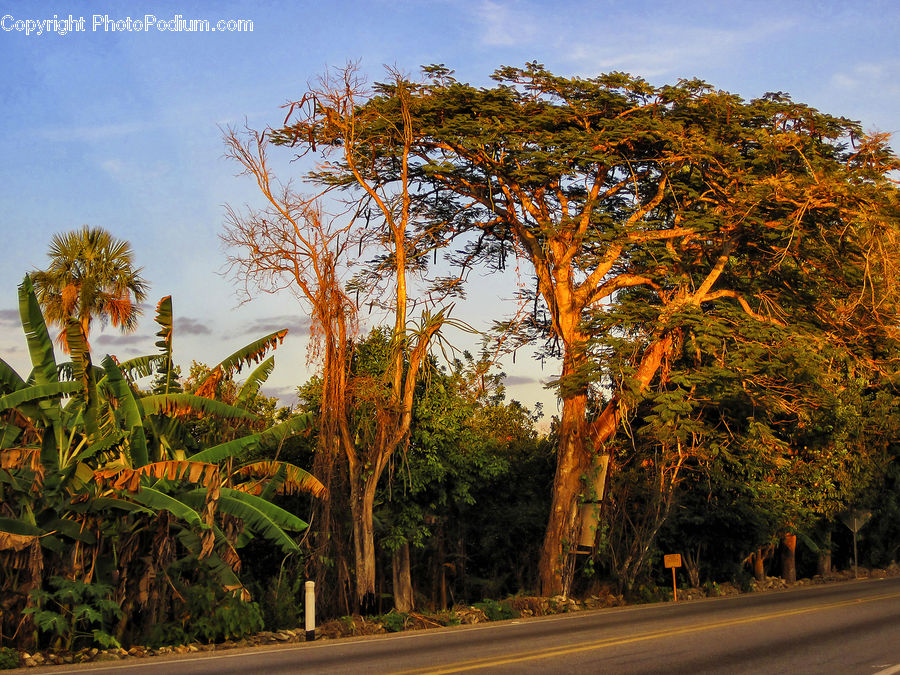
x: 310, y: 607
x: 673, y: 560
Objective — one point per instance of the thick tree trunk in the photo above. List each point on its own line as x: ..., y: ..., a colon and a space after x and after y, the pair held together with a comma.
x: 788, y: 558
x: 570, y: 465
x: 362, y: 500
x: 824, y: 561
x: 565, y: 529
x: 758, y: 560
x: 403, y: 589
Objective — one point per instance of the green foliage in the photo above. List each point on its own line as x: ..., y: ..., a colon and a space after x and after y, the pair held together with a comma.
x: 496, y: 611
x: 448, y: 617
x: 9, y: 658
x: 74, y: 614
x: 476, y: 479
x: 100, y: 482
x: 648, y: 593
x: 202, y: 610
x: 393, y: 622
x: 281, y: 602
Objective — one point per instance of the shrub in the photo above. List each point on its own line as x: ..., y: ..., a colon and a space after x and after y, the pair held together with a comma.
x: 496, y: 611
x: 9, y: 658
x: 393, y: 622
x: 75, y: 614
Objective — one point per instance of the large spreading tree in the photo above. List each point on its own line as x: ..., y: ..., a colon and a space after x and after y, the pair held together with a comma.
x: 641, y: 209
x: 684, y: 196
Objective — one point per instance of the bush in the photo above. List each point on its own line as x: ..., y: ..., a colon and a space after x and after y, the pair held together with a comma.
x: 393, y: 622
x: 75, y: 614
x: 208, y: 614
x: 9, y: 658
x: 496, y: 611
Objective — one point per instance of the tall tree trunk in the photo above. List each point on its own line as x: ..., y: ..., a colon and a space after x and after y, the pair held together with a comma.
x: 564, y: 528
x: 362, y: 501
x: 824, y: 561
x: 788, y: 558
x: 404, y: 600
x: 758, y: 560
x: 570, y: 465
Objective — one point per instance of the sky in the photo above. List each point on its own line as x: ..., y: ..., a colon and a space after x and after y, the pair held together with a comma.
x: 122, y: 129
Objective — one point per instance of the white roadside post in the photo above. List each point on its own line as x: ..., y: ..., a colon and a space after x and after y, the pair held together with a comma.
x: 310, y: 607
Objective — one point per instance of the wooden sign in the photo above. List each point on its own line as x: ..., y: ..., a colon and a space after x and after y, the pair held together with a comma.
x: 673, y: 560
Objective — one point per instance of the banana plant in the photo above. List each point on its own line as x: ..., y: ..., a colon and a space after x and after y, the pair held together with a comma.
x: 89, y: 467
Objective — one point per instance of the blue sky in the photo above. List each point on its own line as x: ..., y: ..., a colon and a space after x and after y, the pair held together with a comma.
x: 122, y: 129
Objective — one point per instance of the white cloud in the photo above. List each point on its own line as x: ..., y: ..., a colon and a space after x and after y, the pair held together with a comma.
x: 873, y: 78
x: 504, y: 25
x: 665, y: 48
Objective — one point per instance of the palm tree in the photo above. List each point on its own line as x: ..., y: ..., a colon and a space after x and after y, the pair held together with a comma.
x: 91, y: 275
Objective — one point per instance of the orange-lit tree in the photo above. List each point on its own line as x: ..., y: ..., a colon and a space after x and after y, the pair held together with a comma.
x: 366, y: 140
x: 686, y: 197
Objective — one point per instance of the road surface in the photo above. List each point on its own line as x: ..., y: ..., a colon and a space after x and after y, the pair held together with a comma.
x: 850, y: 628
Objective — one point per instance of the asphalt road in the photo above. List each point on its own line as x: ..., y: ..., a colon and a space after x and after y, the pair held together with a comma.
x: 841, y: 628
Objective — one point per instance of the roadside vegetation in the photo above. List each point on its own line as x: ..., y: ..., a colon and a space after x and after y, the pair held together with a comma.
x: 716, y: 277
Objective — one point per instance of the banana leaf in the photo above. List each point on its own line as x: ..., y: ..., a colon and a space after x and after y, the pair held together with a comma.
x: 251, y: 353
x: 9, y: 378
x: 281, y: 478
x: 255, y: 380
x: 38, y: 392
x: 258, y: 515
x: 160, y: 501
x: 164, y: 320
x: 235, y: 448
x: 129, y: 409
x: 180, y: 404
x: 40, y: 346
x: 141, y: 366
